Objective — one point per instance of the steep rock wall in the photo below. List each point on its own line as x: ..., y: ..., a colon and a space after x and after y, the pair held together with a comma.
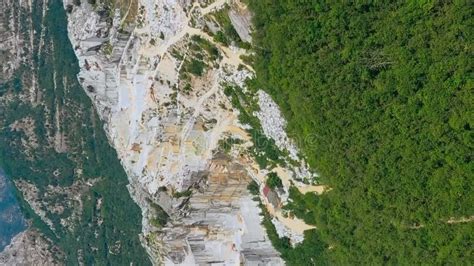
x: 165, y: 125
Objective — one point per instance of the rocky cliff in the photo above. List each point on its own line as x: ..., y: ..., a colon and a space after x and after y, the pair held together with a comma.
x: 156, y: 75
x: 169, y: 81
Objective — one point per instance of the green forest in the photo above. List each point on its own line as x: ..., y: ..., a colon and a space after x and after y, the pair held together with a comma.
x: 381, y: 94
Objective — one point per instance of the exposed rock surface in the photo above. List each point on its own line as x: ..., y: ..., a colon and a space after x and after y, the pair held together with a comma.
x: 273, y: 124
x: 30, y: 248
x: 220, y: 221
x: 274, y: 127
x: 165, y: 122
x: 241, y: 20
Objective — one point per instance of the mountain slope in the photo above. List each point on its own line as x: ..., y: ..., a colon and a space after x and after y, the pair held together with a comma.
x: 53, y: 145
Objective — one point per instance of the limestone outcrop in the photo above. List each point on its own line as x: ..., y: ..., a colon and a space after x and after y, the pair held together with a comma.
x: 158, y: 84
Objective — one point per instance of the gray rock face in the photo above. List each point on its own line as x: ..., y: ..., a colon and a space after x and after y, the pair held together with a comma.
x: 241, y: 18
x: 165, y: 124
x: 274, y: 126
x: 219, y: 222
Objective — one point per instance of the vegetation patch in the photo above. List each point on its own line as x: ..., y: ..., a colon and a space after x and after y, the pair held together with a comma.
x: 194, y: 66
x: 274, y: 181
x: 180, y: 194
x: 253, y: 188
x: 207, y: 46
x: 311, y: 252
x: 227, y: 34
x: 160, y: 216
x: 227, y: 143
x: 264, y: 150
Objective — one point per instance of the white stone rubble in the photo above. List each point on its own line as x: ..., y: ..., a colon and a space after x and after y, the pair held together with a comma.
x: 283, y: 231
x: 273, y: 124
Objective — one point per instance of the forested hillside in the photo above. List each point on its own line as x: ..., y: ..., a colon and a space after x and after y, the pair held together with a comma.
x: 52, y: 144
x: 382, y: 95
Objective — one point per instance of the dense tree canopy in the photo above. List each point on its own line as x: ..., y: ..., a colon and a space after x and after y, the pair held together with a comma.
x: 382, y: 95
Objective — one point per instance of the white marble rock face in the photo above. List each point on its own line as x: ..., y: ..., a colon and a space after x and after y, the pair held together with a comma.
x: 163, y: 136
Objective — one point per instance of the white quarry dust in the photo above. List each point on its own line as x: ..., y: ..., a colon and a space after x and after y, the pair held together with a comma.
x: 316, y: 189
x: 214, y: 6
x: 165, y: 141
x: 286, y: 177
